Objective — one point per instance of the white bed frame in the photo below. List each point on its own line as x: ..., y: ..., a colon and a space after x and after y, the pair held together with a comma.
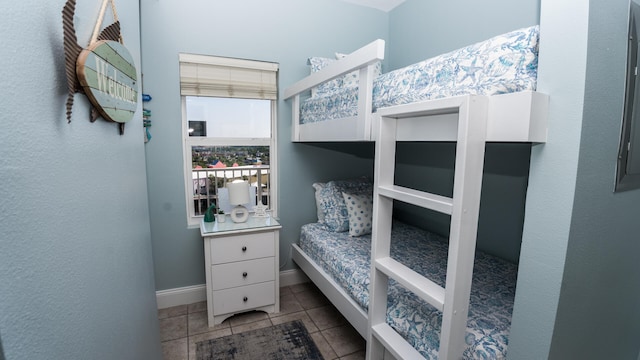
x: 470, y: 121
x: 357, y: 128
x: 520, y: 116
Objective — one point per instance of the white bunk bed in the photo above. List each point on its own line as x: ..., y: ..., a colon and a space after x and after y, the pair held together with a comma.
x: 505, y: 71
x: 470, y: 117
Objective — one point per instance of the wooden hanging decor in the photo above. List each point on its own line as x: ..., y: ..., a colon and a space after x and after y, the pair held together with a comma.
x: 104, y: 71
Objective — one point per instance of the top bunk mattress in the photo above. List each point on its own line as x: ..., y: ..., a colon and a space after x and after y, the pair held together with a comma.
x: 503, y: 64
x: 347, y: 260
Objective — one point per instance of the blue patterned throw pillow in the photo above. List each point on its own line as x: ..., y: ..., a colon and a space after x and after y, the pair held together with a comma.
x: 330, y: 198
x: 351, y: 79
x: 360, y: 210
x: 319, y: 210
x: 316, y: 64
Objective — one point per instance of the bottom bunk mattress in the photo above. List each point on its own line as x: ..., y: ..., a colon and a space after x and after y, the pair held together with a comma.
x: 347, y: 260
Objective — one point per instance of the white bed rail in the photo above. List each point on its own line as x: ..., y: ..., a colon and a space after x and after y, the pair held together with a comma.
x: 512, y: 117
x: 364, y: 60
x: 453, y: 299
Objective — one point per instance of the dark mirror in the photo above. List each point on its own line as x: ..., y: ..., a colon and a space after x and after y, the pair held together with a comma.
x: 628, y: 167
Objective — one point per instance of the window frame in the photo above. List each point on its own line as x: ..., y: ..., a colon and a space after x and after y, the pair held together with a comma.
x: 193, y: 220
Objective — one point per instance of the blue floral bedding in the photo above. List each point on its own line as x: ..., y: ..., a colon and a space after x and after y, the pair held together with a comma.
x: 503, y: 64
x: 346, y: 259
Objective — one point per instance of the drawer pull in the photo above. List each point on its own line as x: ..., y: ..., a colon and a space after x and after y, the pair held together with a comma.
x: 244, y: 249
x: 244, y: 274
x: 245, y: 299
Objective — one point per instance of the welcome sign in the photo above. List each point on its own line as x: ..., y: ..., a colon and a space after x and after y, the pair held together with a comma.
x: 104, y: 71
x: 107, y: 74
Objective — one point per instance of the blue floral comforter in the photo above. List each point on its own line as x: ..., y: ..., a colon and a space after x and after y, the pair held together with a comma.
x: 347, y: 260
x: 503, y: 64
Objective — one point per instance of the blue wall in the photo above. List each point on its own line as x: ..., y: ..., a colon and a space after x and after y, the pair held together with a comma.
x: 229, y: 28
x: 76, y: 273
x: 551, y: 194
x: 602, y: 252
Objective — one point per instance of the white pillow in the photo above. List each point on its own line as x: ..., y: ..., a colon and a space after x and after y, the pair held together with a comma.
x: 360, y: 210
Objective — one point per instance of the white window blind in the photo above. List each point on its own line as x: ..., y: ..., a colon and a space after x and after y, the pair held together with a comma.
x: 227, y: 77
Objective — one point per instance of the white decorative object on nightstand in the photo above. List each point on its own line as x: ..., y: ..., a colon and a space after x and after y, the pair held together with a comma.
x: 241, y: 267
x: 260, y: 210
x: 238, y: 196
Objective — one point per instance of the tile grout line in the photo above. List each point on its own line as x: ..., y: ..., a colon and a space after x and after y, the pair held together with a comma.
x: 188, y: 332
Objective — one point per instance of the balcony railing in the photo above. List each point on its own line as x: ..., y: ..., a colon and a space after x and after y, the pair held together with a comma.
x: 207, y: 182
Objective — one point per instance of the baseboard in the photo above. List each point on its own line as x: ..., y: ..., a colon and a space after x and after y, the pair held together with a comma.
x: 196, y: 293
x: 181, y: 296
x: 292, y: 277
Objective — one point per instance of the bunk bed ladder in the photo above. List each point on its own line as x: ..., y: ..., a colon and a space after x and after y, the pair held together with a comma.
x: 453, y: 299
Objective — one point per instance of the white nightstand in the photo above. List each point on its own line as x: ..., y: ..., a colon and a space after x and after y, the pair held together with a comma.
x: 241, y: 266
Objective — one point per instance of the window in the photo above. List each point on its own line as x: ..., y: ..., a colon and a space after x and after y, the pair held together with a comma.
x: 228, y: 130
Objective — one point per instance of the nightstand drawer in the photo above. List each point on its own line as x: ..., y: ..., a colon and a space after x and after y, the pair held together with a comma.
x: 242, y: 247
x: 242, y: 273
x: 243, y: 298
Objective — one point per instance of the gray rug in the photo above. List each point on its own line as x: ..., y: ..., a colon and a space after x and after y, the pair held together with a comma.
x: 288, y: 341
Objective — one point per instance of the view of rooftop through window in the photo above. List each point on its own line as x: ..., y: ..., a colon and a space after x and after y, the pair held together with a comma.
x: 229, y: 156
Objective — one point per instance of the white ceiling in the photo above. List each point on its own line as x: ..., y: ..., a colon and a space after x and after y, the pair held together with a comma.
x: 384, y: 5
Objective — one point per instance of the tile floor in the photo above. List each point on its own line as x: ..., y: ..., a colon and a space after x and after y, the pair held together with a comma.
x: 182, y: 326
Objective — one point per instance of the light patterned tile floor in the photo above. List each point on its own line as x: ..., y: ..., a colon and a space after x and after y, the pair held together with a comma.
x: 181, y: 327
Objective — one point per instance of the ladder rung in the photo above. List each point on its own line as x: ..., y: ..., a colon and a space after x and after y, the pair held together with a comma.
x: 418, y: 284
x: 423, y: 199
x: 399, y: 347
